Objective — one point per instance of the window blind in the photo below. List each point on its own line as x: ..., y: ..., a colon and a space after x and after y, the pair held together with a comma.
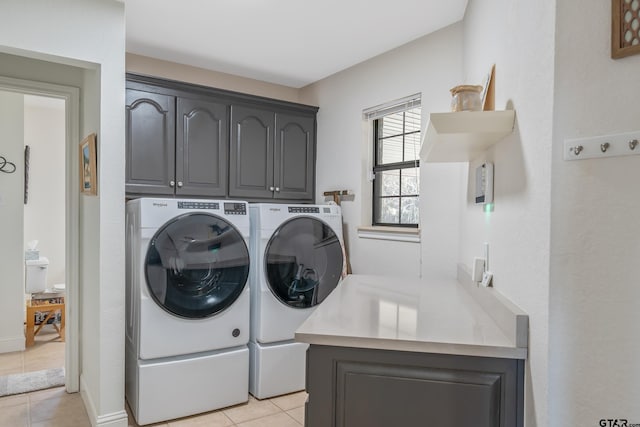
x: 391, y: 107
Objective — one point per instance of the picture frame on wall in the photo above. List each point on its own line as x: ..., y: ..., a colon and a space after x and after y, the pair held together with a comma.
x: 88, y: 166
x: 625, y: 28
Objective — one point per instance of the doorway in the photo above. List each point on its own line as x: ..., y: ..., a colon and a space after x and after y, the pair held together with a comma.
x: 31, y: 212
x: 44, y: 233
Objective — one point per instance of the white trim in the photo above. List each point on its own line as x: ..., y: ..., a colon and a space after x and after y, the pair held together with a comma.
x: 398, y: 234
x: 71, y: 96
x: 88, y: 401
x: 114, y: 419
x: 9, y: 345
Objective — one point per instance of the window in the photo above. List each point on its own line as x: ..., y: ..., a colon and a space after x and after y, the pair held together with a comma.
x: 396, y: 139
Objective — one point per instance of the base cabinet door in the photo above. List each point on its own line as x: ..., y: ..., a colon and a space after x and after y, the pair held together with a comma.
x: 378, y: 388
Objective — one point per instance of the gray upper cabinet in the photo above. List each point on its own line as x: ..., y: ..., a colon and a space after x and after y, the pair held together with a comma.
x: 150, y: 143
x: 186, y: 140
x: 175, y: 145
x: 294, y: 157
x: 272, y: 154
x: 251, y: 155
x: 201, y: 148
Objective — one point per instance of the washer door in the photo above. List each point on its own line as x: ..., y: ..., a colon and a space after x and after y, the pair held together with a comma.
x: 303, y: 262
x: 197, y: 265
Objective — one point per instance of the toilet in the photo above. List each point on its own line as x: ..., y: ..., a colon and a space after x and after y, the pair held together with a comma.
x: 36, y: 278
x: 44, y: 306
x: 35, y: 275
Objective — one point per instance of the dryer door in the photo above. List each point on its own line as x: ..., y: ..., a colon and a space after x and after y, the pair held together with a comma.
x: 303, y: 262
x: 196, y: 265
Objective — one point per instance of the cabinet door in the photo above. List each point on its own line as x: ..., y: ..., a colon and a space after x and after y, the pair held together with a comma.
x: 294, y: 157
x: 251, y: 153
x: 354, y: 387
x: 201, y: 148
x: 150, y: 143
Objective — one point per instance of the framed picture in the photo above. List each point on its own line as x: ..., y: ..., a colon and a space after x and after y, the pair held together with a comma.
x: 88, y: 166
x: 625, y: 28
x: 488, y: 91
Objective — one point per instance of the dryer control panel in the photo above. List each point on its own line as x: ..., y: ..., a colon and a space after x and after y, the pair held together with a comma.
x: 235, y: 208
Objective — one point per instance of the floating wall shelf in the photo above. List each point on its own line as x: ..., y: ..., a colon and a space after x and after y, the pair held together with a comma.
x: 463, y: 136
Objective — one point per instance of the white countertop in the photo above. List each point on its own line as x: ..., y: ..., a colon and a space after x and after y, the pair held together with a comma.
x: 407, y: 314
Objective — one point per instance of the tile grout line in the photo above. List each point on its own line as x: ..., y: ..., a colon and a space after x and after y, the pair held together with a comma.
x: 291, y: 416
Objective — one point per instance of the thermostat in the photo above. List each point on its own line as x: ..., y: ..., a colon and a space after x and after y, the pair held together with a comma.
x: 484, y: 183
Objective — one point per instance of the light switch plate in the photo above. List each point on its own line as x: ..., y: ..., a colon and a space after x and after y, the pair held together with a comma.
x: 478, y: 269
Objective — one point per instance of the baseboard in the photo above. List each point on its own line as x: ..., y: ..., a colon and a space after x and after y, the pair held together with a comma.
x: 114, y: 419
x: 9, y: 345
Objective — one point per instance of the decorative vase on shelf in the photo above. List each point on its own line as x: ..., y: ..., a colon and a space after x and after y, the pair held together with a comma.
x: 466, y: 98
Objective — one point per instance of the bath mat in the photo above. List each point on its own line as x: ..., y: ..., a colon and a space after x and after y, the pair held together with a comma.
x: 31, y: 381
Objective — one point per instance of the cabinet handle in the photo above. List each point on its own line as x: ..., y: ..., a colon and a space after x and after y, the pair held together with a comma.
x: 271, y: 188
x: 277, y: 189
x: 172, y: 184
x: 179, y: 184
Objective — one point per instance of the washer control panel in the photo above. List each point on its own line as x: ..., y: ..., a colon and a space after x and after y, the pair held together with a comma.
x: 304, y: 209
x: 235, y: 208
x: 198, y: 205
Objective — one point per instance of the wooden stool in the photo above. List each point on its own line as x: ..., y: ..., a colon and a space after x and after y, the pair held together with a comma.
x: 50, y: 308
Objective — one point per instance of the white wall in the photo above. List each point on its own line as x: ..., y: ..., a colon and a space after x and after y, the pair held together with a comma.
x: 595, y: 232
x: 518, y: 36
x: 144, y: 65
x: 44, y: 214
x: 430, y: 65
x: 11, y: 223
x: 92, y: 40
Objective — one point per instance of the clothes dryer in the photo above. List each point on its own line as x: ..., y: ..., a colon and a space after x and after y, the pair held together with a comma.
x: 297, y: 259
x: 187, y: 324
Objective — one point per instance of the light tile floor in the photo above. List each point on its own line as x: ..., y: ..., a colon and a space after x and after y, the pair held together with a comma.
x: 56, y: 408
x: 281, y: 411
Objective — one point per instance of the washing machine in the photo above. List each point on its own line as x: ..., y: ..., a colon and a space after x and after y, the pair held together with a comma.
x: 188, y: 306
x: 297, y: 259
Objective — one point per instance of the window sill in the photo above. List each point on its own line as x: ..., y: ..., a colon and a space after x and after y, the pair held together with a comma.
x: 398, y: 234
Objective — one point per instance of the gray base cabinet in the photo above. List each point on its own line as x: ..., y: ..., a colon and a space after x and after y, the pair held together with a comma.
x: 353, y: 387
x: 192, y: 141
